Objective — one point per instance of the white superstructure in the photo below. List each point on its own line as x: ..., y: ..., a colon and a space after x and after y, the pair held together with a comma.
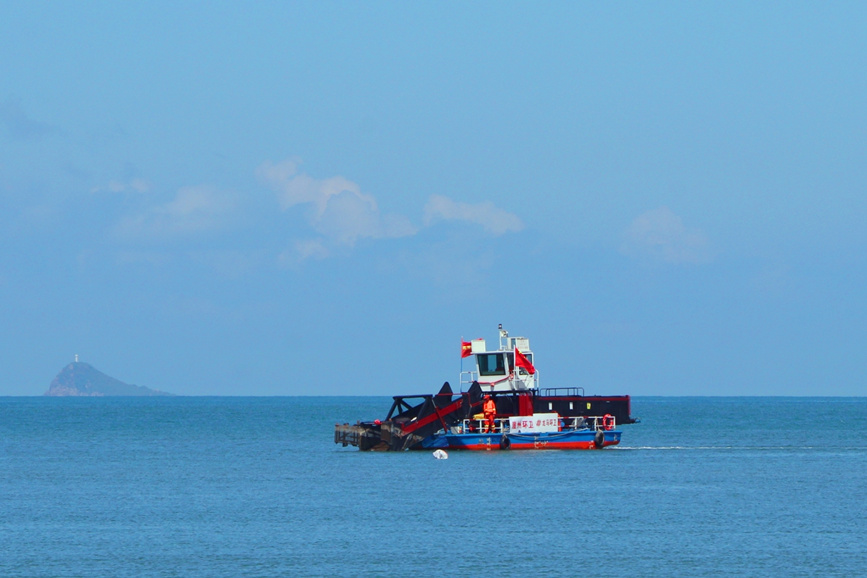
x: 495, y: 369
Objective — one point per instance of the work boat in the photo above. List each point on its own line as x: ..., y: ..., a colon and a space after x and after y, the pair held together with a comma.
x: 500, y: 406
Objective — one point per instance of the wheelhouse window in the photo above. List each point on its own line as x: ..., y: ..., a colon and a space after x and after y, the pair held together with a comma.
x: 491, y: 364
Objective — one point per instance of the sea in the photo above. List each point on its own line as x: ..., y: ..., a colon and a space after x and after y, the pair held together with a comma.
x: 233, y: 486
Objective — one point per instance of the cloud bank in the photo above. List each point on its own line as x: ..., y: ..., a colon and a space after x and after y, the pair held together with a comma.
x: 660, y: 236
x: 342, y: 214
x: 338, y: 212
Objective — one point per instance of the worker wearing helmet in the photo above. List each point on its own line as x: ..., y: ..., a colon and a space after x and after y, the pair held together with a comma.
x: 490, y: 410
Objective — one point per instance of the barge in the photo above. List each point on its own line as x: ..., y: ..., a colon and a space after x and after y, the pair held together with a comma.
x: 500, y: 405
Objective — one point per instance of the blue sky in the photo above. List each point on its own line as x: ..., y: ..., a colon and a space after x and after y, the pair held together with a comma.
x: 323, y: 198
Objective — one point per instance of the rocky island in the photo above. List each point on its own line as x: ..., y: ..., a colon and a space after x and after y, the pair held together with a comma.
x: 82, y: 379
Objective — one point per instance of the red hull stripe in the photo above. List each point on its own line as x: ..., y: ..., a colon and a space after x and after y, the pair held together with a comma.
x: 541, y: 445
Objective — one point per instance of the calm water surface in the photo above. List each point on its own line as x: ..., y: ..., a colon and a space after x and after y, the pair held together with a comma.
x: 255, y: 487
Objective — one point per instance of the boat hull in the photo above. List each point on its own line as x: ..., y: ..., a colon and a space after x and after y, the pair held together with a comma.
x: 567, y: 440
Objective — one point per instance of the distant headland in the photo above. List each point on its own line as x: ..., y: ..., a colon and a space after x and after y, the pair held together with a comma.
x: 82, y: 379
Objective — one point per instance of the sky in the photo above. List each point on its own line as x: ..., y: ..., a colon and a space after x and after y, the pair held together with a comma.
x: 325, y: 198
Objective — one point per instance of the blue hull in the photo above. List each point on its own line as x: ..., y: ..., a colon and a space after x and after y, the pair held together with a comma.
x: 564, y: 440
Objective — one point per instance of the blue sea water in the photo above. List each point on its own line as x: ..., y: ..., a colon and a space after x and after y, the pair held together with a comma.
x: 256, y: 487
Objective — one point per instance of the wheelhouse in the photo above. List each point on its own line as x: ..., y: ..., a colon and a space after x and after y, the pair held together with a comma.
x: 495, y: 370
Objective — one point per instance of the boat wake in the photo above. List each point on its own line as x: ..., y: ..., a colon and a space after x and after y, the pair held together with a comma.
x: 621, y: 448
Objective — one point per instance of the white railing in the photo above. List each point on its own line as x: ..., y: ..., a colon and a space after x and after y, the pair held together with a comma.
x: 467, y: 377
x: 598, y: 422
x: 501, y: 425
x: 479, y: 425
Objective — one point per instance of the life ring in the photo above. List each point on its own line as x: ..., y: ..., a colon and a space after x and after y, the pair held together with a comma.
x: 505, y: 442
x: 608, y: 422
x: 599, y: 440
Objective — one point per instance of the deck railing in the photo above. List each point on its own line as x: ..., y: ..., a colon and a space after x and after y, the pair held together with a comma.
x: 501, y: 425
x: 562, y: 392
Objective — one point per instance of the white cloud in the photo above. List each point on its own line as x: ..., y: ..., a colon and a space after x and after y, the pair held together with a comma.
x: 193, y: 210
x: 294, y: 189
x: 341, y: 213
x: 660, y: 235
x: 349, y: 217
x: 492, y: 219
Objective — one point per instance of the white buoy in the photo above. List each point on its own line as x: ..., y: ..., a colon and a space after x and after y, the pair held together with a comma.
x: 441, y: 455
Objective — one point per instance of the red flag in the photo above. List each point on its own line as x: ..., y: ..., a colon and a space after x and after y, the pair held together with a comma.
x: 521, y: 361
x: 466, y: 348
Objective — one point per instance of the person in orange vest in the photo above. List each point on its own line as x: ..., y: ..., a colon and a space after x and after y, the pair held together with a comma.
x: 490, y: 411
